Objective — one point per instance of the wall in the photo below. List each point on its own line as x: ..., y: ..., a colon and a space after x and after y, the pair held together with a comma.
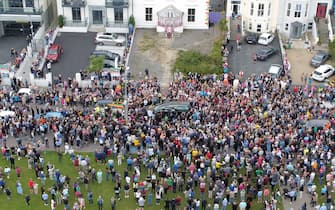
x: 200, y: 6
x: 315, y: 33
x: 330, y: 29
x: 2, y: 32
x: 268, y: 21
x: 41, y: 82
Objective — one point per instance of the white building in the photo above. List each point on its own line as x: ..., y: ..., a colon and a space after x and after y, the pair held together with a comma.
x: 113, y: 15
x: 290, y: 17
x: 18, y: 15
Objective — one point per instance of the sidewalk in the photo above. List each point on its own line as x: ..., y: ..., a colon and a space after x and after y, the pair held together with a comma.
x: 299, y: 60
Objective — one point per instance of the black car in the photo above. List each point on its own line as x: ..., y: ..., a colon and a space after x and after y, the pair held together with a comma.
x: 319, y: 58
x: 251, y: 39
x: 265, y: 53
x: 109, y: 64
x: 107, y: 54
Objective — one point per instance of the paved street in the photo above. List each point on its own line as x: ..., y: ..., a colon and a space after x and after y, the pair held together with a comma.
x: 77, y: 48
x: 8, y: 42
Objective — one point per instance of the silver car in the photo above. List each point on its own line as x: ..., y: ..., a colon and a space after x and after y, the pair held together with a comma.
x: 110, y: 39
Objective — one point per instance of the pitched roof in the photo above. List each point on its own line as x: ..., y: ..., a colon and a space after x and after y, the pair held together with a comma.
x: 170, y: 11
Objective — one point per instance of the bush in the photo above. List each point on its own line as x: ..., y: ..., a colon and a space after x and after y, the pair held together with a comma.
x: 60, y: 21
x: 131, y: 20
x: 331, y: 49
x: 96, y: 63
x: 193, y: 61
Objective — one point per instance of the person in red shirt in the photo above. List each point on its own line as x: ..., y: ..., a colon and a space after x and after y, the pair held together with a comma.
x: 31, y: 185
x: 18, y: 172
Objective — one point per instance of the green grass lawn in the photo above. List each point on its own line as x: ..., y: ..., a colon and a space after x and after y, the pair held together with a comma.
x: 106, y: 189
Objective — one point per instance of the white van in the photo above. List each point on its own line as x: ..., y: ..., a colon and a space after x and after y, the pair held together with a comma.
x: 265, y: 38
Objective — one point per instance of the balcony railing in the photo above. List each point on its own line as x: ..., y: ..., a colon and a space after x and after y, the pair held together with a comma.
x: 116, y: 24
x: 21, y: 10
x: 75, y: 23
x: 117, y: 3
x: 74, y: 3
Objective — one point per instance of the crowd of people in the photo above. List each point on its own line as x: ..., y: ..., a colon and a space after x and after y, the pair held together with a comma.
x: 242, y: 142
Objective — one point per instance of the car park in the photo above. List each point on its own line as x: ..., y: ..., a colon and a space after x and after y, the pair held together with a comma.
x: 265, y: 39
x: 251, y: 39
x: 265, y: 53
x: 323, y: 72
x: 320, y: 58
x: 54, y: 53
x: 110, y: 39
x: 276, y: 70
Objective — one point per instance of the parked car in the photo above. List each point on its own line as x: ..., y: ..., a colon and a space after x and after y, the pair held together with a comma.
x: 173, y: 106
x: 320, y: 58
x: 322, y: 72
x: 265, y: 39
x: 265, y: 53
x: 108, y: 64
x: 104, y: 38
x: 251, y: 39
x: 107, y: 54
x: 54, y: 53
x: 276, y: 70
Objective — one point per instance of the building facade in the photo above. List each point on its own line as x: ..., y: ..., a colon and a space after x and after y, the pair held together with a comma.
x: 113, y: 15
x: 21, y: 16
x: 290, y: 17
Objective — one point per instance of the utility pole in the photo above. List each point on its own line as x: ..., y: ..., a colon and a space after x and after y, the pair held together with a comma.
x: 126, y: 95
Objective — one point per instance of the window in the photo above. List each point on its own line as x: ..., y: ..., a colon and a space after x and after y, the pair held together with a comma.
x: 76, y: 15
x: 118, y: 14
x: 259, y: 27
x: 297, y: 12
x: 286, y: 26
x: 191, y: 15
x: 269, y: 9
x: 288, y: 10
x: 29, y: 3
x: 250, y: 26
x: 310, y: 26
x: 304, y: 27
x: 252, y: 9
x: 15, y: 3
x: 260, y: 9
x: 306, y: 10
x: 148, y: 14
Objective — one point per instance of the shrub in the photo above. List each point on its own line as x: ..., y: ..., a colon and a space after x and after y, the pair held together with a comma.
x: 60, y: 21
x: 132, y: 20
x: 193, y: 61
x: 96, y: 63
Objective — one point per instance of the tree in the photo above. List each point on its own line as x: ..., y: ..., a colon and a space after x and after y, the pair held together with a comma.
x: 96, y: 63
x: 223, y: 25
x: 331, y: 49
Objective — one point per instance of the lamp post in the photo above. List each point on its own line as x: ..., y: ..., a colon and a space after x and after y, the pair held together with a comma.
x: 126, y: 94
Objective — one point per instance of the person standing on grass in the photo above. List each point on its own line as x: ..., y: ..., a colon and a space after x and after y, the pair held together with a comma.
x: 45, y: 198
x: 8, y: 193
x: 100, y: 202
x: 113, y: 203
x: 27, y: 199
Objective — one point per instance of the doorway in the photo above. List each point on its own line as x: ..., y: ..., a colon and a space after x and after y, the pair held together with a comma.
x: 97, y: 17
x: 321, y: 10
x: 296, y: 30
x: 235, y: 9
